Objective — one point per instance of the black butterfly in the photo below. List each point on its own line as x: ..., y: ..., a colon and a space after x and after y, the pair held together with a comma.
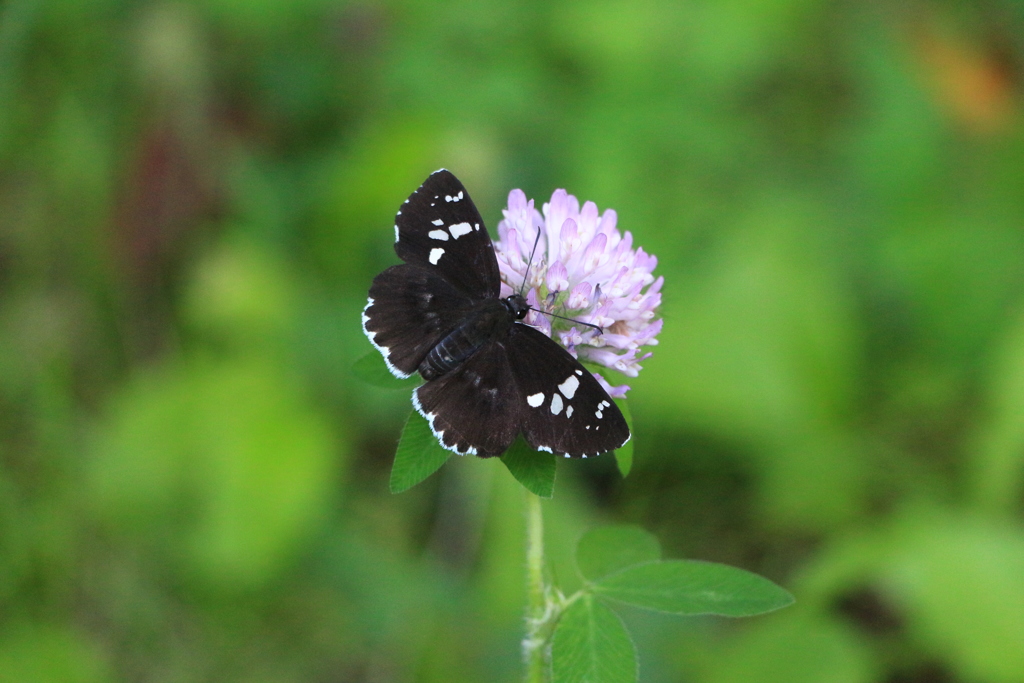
x: 488, y: 375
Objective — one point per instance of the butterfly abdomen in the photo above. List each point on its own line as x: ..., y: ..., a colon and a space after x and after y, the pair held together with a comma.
x: 489, y: 321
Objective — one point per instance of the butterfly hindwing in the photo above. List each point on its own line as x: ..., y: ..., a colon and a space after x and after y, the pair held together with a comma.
x: 472, y: 409
x: 410, y: 309
x: 439, y: 228
x: 564, y: 409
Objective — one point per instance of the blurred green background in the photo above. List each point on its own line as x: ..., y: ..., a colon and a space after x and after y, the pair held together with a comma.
x: 194, y: 198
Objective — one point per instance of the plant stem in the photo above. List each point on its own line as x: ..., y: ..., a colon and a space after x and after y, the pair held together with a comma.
x: 533, y: 644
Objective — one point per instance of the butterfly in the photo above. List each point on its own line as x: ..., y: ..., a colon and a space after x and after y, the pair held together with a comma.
x: 488, y: 376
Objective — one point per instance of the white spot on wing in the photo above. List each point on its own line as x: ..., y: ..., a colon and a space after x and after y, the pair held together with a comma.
x: 437, y: 221
x: 438, y: 235
x: 460, y: 229
x: 569, y: 386
x: 535, y: 400
x: 435, y: 255
x: 568, y: 411
x: 579, y: 372
x: 396, y: 233
x: 556, y: 404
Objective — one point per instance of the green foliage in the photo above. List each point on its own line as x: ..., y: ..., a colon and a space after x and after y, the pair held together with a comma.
x: 605, y: 550
x: 624, y: 454
x: 195, y: 198
x: 591, y: 645
x: 372, y: 370
x: 42, y: 652
x: 691, y: 587
x: 233, y: 449
x: 418, y: 456
x: 794, y: 648
x: 999, y: 436
x: 621, y: 563
x: 960, y: 580
x: 533, y: 469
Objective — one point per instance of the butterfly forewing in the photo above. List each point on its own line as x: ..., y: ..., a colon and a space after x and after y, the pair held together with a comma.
x: 564, y: 409
x: 440, y: 228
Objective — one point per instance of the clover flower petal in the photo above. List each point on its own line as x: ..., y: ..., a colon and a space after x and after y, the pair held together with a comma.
x: 586, y: 270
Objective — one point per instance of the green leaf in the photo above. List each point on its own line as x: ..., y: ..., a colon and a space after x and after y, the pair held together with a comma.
x: 608, y: 549
x: 692, y: 587
x: 591, y: 645
x: 418, y: 456
x: 533, y: 469
x: 624, y: 454
x: 372, y: 370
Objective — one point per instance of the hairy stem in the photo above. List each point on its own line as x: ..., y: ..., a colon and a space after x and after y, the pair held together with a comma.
x: 536, y: 617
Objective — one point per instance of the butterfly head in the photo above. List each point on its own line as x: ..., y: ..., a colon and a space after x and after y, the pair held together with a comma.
x: 516, y: 305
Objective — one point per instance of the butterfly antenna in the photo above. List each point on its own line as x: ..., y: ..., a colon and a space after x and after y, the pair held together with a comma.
x: 572, y: 320
x: 530, y: 263
x: 553, y: 315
